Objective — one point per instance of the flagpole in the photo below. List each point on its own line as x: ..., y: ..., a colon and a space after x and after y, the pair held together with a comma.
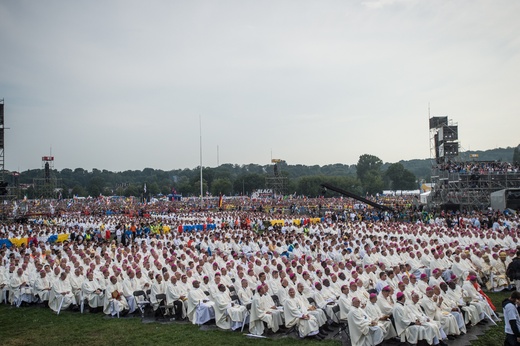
x: 200, y: 146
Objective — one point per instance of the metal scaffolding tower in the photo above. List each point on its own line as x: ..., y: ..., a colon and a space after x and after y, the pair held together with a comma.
x: 276, y: 182
x: 459, y: 184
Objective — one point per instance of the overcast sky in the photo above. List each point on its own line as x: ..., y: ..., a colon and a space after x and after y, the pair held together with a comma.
x: 121, y: 85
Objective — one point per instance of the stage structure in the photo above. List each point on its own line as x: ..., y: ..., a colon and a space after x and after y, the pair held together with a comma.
x: 461, y: 183
x: 276, y: 182
x: 48, y: 186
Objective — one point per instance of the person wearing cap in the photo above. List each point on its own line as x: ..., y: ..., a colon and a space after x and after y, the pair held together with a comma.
x: 500, y: 279
x: 473, y: 291
x: 306, y: 324
x: 200, y: 308
x: 42, y: 287
x: 455, y: 293
x: 385, y: 301
x: 363, y: 330
x: 228, y: 314
x: 431, y: 305
x: 450, y: 306
x: 310, y: 309
x: 61, y: 290
x: 115, y: 302
x: 244, y: 293
x: 92, y: 292
x: 436, y: 278
x: 261, y: 313
x: 384, y: 322
x: 422, y: 284
x: 407, y: 328
x: 413, y: 325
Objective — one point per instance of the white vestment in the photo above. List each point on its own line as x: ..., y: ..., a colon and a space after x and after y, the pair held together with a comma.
x: 58, y: 293
x: 293, y: 317
x: 361, y: 332
x: 89, y: 289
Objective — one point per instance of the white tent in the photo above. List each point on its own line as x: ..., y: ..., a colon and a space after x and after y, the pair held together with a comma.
x: 424, y: 197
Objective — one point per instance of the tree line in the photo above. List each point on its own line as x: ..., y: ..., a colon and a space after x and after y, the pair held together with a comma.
x: 370, y: 175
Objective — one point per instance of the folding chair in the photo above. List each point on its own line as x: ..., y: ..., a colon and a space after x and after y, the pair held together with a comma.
x: 141, y: 300
x: 113, y: 306
x: 276, y: 300
x: 161, y: 299
x: 234, y: 298
x: 311, y: 301
x: 343, y: 324
x: 81, y: 301
x: 246, y: 316
x: 3, y: 299
x: 61, y: 304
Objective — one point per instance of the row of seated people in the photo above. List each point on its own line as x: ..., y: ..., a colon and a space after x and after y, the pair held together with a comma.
x: 409, y: 312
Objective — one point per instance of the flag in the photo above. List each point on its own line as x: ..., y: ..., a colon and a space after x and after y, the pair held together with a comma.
x: 220, y: 201
x: 144, y: 188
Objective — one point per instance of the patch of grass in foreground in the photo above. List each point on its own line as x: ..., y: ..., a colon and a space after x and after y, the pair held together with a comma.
x: 39, y: 326
x: 494, y: 335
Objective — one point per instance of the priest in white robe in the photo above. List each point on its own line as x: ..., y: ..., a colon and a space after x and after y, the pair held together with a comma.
x: 412, y: 328
x: 306, y: 324
x: 19, y: 288
x: 228, y: 314
x: 61, y: 296
x: 200, y: 308
x: 363, y: 330
x: 454, y: 292
x: 375, y: 314
x: 115, y: 302
x: 92, y: 292
x: 260, y: 314
x: 130, y: 285
x: 431, y: 305
x: 42, y: 287
x: 176, y: 297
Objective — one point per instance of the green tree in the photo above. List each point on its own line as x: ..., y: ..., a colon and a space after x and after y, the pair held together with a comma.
x: 221, y: 186
x: 369, y: 173
x: 152, y: 188
x: 373, y: 182
x: 79, y: 190
x: 399, y: 178
x: 367, y: 163
x: 247, y: 183
x: 96, y: 186
x: 196, y: 188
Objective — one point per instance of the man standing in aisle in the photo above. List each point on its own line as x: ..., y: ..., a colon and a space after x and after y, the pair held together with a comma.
x: 512, y: 320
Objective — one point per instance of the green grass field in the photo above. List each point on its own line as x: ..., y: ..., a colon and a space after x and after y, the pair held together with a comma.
x: 495, y: 335
x: 39, y: 326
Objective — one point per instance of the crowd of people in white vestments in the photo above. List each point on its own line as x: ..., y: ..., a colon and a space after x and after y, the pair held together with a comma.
x: 381, y: 280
